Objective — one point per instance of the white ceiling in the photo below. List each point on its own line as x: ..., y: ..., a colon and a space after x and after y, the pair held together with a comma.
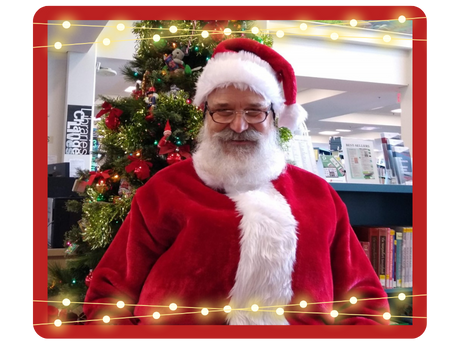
x: 331, y: 104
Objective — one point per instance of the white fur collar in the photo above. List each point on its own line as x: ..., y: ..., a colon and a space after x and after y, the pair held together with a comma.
x: 268, y: 244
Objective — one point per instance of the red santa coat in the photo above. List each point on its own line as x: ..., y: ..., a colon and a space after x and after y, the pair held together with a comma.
x: 187, y: 244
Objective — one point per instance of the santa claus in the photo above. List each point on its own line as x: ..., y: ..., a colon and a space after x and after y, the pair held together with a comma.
x: 235, y: 235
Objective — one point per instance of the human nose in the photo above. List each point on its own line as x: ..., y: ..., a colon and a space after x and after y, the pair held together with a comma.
x: 239, y: 123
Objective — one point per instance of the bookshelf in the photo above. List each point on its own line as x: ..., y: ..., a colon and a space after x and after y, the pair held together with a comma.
x: 378, y: 205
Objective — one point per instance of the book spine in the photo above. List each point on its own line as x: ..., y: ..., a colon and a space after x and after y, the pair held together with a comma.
x: 410, y: 258
x: 399, y: 238
x: 390, y: 240
x: 374, y: 249
x: 366, y: 248
x: 382, y: 256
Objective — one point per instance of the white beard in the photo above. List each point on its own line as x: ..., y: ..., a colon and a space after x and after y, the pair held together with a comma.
x: 238, y: 168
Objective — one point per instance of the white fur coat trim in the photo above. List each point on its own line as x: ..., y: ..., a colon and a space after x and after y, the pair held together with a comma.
x: 268, y: 242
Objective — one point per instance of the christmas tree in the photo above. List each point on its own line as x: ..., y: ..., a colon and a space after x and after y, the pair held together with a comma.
x: 139, y: 135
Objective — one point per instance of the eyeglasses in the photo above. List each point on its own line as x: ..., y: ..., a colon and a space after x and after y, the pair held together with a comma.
x: 227, y: 116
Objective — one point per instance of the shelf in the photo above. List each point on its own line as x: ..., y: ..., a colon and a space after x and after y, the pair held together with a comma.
x: 376, y: 204
x: 371, y: 188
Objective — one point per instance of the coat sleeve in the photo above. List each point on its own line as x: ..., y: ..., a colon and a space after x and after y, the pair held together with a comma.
x: 353, y: 276
x: 121, y: 273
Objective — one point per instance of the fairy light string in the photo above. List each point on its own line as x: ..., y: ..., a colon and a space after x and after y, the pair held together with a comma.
x: 279, y: 32
x: 278, y: 309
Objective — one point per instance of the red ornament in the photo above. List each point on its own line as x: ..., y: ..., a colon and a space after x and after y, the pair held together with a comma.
x: 140, y: 167
x: 216, y: 29
x: 112, y: 122
x: 89, y: 278
x: 173, y: 157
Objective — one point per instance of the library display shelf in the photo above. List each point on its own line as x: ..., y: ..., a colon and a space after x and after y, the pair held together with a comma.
x: 376, y: 204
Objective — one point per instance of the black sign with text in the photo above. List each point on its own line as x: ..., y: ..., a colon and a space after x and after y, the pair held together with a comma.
x: 78, y: 130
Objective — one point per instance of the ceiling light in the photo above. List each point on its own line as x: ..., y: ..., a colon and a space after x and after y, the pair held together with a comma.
x: 368, y: 128
x: 343, y: 130
x: 396, y: 110
x: 328, y: 133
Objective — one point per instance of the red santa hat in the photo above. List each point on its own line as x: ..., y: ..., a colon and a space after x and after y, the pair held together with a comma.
x: 243, y: 61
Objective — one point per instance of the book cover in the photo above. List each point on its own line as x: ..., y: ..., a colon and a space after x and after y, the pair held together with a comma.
x: 333, y: 169
x: 360, y: 161
x: 390, y: 140
x: 403, y: 164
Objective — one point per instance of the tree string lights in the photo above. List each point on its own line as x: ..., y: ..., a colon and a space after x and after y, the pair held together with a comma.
x: 279, y: 32
x: 278, y: 309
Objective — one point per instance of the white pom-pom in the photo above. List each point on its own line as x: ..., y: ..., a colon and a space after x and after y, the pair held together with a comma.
x: 292, y: 116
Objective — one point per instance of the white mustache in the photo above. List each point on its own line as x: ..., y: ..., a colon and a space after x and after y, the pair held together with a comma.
x: 248, y: 135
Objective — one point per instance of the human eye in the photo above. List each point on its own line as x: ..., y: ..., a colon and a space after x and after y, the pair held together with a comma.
x: 254, y: 113
x: 224, y: 113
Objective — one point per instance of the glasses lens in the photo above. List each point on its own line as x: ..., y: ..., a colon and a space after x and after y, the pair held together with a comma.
x: 250, y: 116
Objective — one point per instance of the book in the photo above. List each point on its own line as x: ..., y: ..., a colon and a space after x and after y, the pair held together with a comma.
x: 390, y: 252
x: 397, y: 159
x: 332, y: 168
x: 403, y: 164
x: 360, y: 161
x: 399, y: 238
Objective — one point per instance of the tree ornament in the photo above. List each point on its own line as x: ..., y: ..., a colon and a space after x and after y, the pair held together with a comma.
x: 125, y: 188
x: 112, y: 121
x: 173, y: 157
x: 166, y: 133
x: 89, y: 278
x: 216, y: 29
x: 140, y: 168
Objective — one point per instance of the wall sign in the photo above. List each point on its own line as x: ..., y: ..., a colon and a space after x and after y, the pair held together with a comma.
x: 78, y: 130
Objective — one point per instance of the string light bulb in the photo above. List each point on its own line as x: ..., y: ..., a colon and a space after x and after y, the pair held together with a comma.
x: 387, y: 316
x: 227, y: 309
x: 280, y: 33
x: 353, y: 300
x: 402, y: 296
x: 204, y: 311
x: 402, y: 19
x: 227, y: 31
x: 254, y: 307
x: 156, y: 315
x: 57, y: 323
x: 280, y: 311
x: 106, y: 41
x: 66, y: 24
x: 386, y: 38
x: 120, y: 304
x: 66, y: 302
x: 205, y: 34
x: 303, y: 304
x: 334, y: 36
x: 334, y: 313
x: 106, y: 319
x: 121, y: 27
x: 303, y: 26
x: 255, y: 30
x: 156, y: 38
x: 353, y: 22
x: 58, y: 45
x: 173, y: 29
x: 173, y: 306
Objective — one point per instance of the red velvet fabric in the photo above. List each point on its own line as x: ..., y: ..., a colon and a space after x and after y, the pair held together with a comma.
x: 180, y: 244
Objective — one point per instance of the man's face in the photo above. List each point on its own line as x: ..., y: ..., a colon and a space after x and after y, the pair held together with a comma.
x: 238, y: 155
x: 240, y: 139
